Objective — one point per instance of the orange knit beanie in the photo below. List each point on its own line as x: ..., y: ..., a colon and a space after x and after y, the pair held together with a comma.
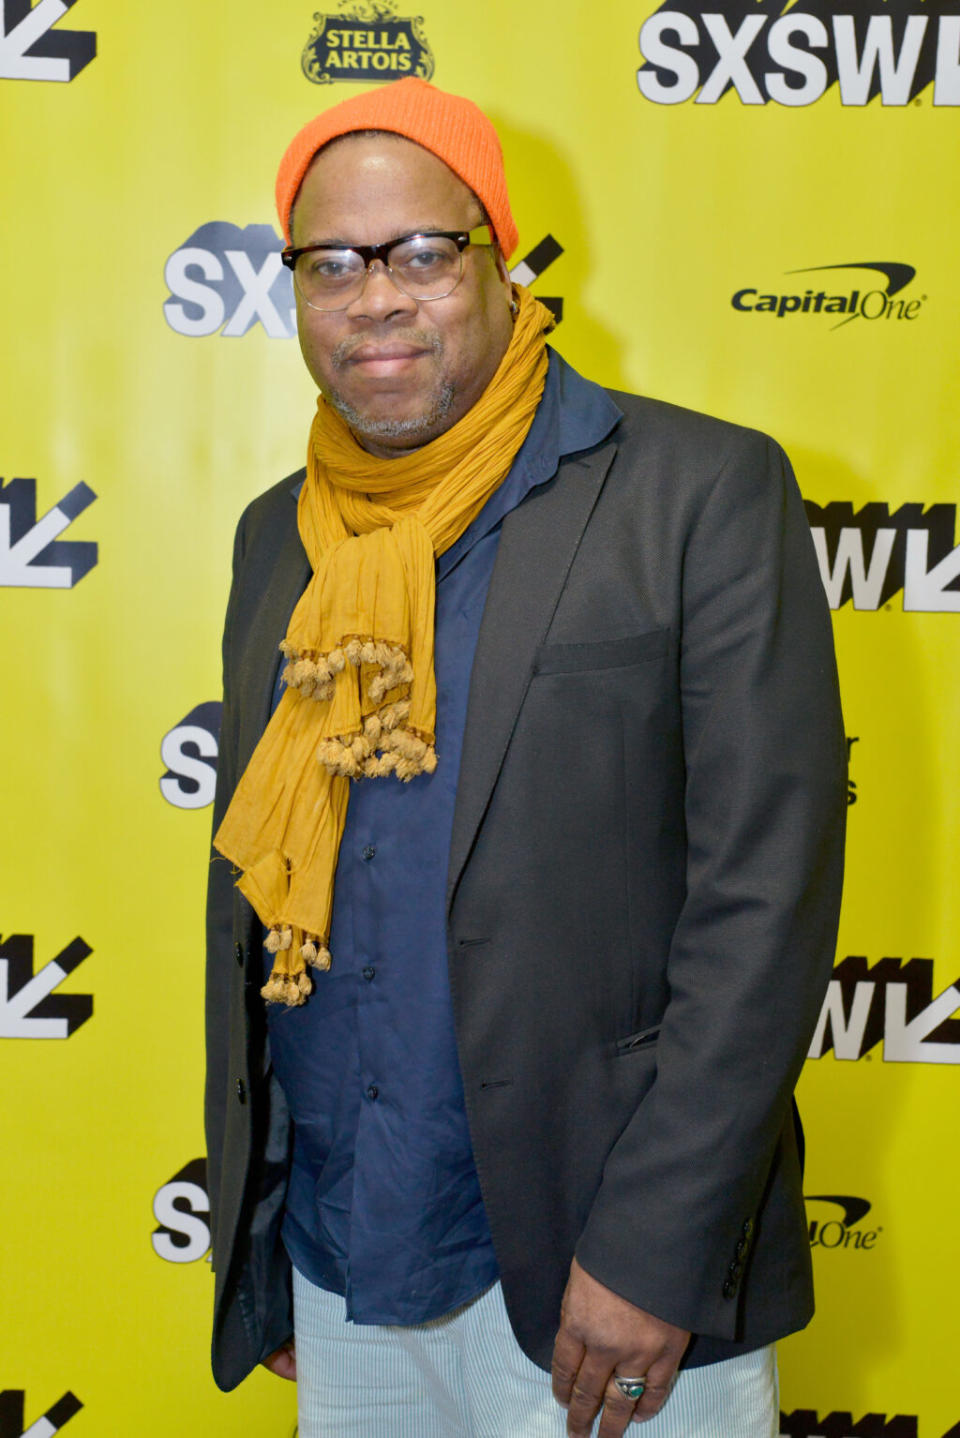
x: 453, y: 128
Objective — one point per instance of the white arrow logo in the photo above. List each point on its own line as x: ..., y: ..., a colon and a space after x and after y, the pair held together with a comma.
x: 28, y: 1008
x: 29, y: 546
x: 31, y: 50
x: 926, y: 590
x: 905, y: 1042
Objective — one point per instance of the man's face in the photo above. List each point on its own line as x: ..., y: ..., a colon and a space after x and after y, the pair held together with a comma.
x: 399, y: 370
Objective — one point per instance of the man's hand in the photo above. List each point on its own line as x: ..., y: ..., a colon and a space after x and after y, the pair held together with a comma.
x: 283, y: 1361
x: 602, y: 1334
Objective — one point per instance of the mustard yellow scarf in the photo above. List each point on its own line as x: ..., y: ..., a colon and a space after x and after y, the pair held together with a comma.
x: 361, y: 693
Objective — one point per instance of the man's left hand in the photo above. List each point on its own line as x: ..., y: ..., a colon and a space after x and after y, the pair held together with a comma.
x: 600, y: 1335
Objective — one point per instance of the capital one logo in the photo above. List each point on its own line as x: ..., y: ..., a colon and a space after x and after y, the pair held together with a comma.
x: 183, y: 1234
x: 890, y: 1003
x: 229, y: 279
x: 189, y: 751
x: 862, y: 301
x: 837, y: 1222
x: 867, y: 556
x: 12, y: 1402
x: 792, y: 54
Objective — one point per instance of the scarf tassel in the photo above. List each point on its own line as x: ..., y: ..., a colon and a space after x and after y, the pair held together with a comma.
x: 383, y: 745
x: 382, y: 748
x: 314, y: 675
x: 289, y: 983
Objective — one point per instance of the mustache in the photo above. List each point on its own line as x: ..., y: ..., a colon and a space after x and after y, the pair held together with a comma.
x: 422, y: 339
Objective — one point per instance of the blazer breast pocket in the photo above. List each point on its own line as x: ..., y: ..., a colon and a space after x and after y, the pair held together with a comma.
x: 602, y: 653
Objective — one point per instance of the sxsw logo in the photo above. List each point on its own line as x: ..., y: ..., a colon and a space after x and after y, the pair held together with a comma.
x: 31, y: 49
x: 183, y: 1234
x: 807, y: 1423
x: 792, y: 54
x: 29, y: 1007
x: 12, y: 1406
x: 837, y: 1222
x: 869, y: 555
x: 890, y: 1002
x: 31, y: 554
x: 877, y: 303
x: 229, y: 279
x: 189, y: 751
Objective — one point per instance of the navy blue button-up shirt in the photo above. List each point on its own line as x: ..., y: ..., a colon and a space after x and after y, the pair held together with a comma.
x: 384, y: 1203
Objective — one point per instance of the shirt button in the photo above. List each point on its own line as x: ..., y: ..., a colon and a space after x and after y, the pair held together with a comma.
x: 368, y: 972
x: 238, y: 953
x: 729, y: 1289
x: 367, y: 852
x: 241, y: 1091
x: 372, y: 1091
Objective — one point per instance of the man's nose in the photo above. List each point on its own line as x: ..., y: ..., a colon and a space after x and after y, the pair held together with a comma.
x: 381, y: 296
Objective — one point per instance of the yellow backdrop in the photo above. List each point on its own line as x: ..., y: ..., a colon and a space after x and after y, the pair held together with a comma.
x: 752, y: 209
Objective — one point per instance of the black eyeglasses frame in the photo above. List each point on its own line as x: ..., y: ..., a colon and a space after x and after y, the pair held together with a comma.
x: 369, y: 253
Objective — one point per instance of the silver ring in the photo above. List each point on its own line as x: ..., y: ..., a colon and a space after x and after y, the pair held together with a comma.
x: 631, y: 1388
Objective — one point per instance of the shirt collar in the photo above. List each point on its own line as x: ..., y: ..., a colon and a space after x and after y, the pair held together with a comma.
x: 573, y: 414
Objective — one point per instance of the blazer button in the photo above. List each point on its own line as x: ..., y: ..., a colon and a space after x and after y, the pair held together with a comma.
x: 241, y: 1091
x: 238, y: 953
x: 748, y: 1228
x: 729, y: 1288
x: 741, y: 1247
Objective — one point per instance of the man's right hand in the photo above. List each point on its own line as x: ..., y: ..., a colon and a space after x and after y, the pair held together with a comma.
x: 283, y: 1361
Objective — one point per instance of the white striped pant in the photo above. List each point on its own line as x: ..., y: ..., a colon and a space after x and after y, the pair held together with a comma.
x: 465, y: 1376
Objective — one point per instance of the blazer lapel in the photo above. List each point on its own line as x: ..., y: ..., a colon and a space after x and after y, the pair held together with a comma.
x: 537, y: 545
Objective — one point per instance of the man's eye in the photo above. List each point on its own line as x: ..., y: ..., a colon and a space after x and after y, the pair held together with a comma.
x: 424, y: 260
x: 329, y: 267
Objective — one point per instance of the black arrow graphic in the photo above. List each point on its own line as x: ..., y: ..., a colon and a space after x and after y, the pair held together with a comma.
x: 533, y: 264
x: 31, y: 555
x: 29, y: 1009
x: 30, y: 49
x: 804, y: 1423
x: 11, y: 1412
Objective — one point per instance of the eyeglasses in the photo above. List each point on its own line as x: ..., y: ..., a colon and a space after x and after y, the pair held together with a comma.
x: 424, y: 266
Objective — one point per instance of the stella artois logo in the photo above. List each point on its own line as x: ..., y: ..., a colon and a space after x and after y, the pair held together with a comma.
x: 366, y: 41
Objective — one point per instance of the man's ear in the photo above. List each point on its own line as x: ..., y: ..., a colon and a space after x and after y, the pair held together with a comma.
x: 501, y: 265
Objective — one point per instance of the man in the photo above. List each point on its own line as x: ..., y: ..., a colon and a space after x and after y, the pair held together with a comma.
x: 517, y: 1092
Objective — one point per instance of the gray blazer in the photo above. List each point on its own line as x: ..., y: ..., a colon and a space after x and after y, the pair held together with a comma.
x: 643, y: 893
